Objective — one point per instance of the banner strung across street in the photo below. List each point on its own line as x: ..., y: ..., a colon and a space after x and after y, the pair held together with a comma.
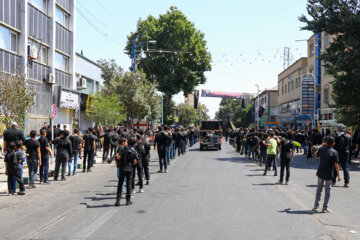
x: 218, y: 94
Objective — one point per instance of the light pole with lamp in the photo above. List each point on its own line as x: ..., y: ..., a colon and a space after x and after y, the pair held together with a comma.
x: 133, y: 51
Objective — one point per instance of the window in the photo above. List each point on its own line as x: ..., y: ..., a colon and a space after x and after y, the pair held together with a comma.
x: 289, y: 87
x: 43, y: 52
x: 312, y: 49
x: 97, y: 87
x: 282, y: 90
x: 8, y: 39
x: 62, y: 18
x: 40, y: 4
x: 61, y: 62
x: 285, y: 89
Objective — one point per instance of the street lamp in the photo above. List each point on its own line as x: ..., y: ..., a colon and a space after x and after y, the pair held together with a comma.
x: 133, y: 49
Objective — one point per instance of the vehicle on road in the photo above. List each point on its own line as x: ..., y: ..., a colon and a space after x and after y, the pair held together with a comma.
x: 210, y: 135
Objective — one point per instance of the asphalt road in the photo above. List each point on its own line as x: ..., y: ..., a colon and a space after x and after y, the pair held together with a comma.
x: 205, y: 195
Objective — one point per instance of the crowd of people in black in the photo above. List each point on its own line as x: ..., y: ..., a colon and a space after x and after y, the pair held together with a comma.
x: 267, y: 146
x: 129, y: 148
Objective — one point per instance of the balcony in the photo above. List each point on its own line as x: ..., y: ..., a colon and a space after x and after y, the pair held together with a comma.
x: 63, y: 79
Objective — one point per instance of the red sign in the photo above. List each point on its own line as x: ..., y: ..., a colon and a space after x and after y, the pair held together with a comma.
x: 54, y: 111
x: 307, y: 123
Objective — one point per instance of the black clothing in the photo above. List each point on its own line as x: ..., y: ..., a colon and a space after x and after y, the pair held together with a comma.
x: 286, y: 148
x: 89, y: 140
x: 343, y: 144
x: 31, y: 149
x: 44, y: 143
x: 122, y: 176
x: 328, y: 157
x: 127, y: 157
x: 12, y: 135
x: 64, y: 153
x: 13, y: 159
x: 75, y: 143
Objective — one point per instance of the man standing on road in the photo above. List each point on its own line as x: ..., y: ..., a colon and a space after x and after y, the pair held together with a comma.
x: 106, y: 145
x: 45, y: 153
x: 64, y: 154
x: 342, y: 146
x: 271, y: 145
x: 126, y: 159
x: 286, y: 156
x: 89, y: 150
x: 33, y: 157
x: 114, y: 138
x: 76, y: 146
x: 329, y: 163
x: 161, y: 141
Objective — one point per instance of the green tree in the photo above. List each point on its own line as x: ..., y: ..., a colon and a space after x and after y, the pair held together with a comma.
x: 111, y: 72
x: 187, y: 115
x: 106, y: 109
x: 16, y: 99
x: 200, y: 115
x: 232, y: 109
x: 184, y: 58
x: 138, y: 95
x: 341, y: 19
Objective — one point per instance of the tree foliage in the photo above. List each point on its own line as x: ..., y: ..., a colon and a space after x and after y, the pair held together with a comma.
x: 341, y: 19
x: 232, y: 109
x: 106, y: 109
x: 183, y: 68
x: 187, y: 115
x: 16, y: 98
x: 111, y: 72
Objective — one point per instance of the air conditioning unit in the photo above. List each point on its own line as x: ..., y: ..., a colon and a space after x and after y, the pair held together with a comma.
x: 77, y: 75
x: 50, y: 78
x: 33, y: 53
x: 82, y: 83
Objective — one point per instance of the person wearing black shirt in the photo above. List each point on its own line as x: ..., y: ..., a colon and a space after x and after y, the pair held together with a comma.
x: 343, y: 146
x: 64, y: 153
x: 286, y: 156
x: 114, y: 138
x: 12, y: 169
x: 329, y: 161
x: 161, y: 141
x: 45, y: 152
x: 33, y: 157
x: 13, y: 134
x: 263, y: 149
x: 76, y: 150
x: 146, y: 159
x: 139, y: 148
x: 106, y: 144
x: 126, y: 159
x: 89, y: 150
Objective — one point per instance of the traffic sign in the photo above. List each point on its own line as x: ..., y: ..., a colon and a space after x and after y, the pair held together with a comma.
x: 307, y: 123
x: 54, y: 111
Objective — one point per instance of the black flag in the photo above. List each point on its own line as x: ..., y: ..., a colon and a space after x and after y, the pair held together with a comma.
x: 261, y: 111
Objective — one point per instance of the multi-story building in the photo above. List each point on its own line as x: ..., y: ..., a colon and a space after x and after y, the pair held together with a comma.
x: 267, y: 100
x: 37, y: 39
x: 89, y: 74
x: 289, y: 99
x: 324, y: 113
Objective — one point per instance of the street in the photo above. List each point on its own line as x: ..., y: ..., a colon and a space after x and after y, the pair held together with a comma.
x: 205, y: 195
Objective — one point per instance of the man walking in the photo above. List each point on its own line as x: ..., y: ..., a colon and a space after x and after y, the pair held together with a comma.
x: 76, y: 150
x: 161, y: 141
x: 89, y: 150
x: 45, y: 153
x: 64, y: 153
x: 329, y: 163
x: 343, y: 146
x: 33, y: 157
x: 286, y: 156
x: 271, y: 145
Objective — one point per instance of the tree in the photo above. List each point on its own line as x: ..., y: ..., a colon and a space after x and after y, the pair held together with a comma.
x: 200, y: 115
x: 106, y: 109
x: 183, y: 59
x: 111, y: 72
x: 138, y: 95
x: 187, y: 115
x: 16, y: 98
x: 341, y: 19
x: 232, y: 109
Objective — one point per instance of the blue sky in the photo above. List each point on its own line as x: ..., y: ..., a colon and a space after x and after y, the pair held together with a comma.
x: 246, y: 38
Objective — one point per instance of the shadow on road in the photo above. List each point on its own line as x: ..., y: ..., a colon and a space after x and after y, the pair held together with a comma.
x: 99, y: 198
x: 263, y: 184
x: 97, y: 206
x: 300, y: 212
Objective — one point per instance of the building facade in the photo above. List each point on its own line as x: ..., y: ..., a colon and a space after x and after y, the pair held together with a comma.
x: 37, y: 39
x: 266, y: 100
x: 90, y: 81
x: 289, y: 99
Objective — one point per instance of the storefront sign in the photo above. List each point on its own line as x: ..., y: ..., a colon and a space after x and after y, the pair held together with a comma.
x: 307, y: 95
x: 69, y: 100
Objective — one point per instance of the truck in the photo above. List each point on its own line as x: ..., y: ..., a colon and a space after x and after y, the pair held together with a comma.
x: 210, y: 135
